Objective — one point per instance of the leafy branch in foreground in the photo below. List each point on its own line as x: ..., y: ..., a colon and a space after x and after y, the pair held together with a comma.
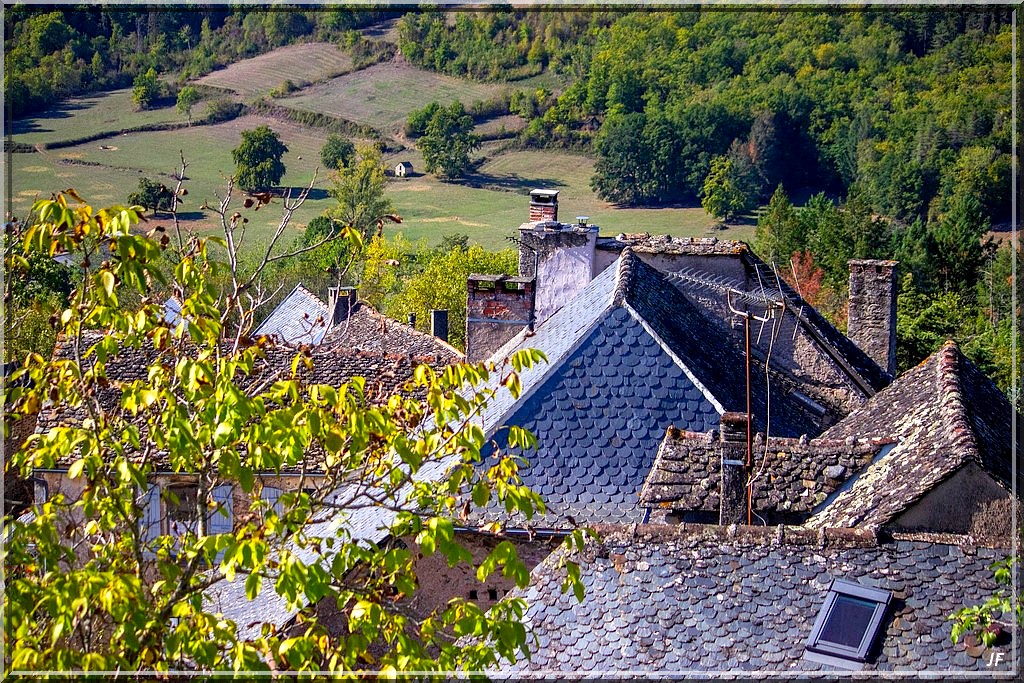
x: 168, y: 435
x: 989, y: 620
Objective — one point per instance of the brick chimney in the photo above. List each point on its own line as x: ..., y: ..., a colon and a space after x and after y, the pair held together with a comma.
x: 871, y: 321
x: 341, y: 301
x: 543, y: 205
x: 439, y: 324
x: 564, y: 258
x: 497, y: 308
x: 733, y: 490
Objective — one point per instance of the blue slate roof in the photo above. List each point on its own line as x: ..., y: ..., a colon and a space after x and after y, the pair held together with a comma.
x: 666, y: 601
x: 599, y: 418
x: 627, y: 358
x: 301, y: 318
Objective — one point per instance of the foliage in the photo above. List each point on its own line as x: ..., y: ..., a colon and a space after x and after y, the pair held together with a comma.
x: 442, y: 285
x: 258, y: 164
x: 361, y: 191
x: 151, y: 195
x: 723, y: 195
x: 145, y: 89
x: 90, y: 586
x: 187, y: 98
x: 448, y: 140
x: 39, y: 289
x: 1001, y: 612
x: 337, y: 152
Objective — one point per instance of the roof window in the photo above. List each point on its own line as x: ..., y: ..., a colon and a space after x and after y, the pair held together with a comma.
x: 847, y: 625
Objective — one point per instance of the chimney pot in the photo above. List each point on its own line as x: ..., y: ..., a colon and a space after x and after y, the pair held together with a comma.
x: 733, y: 428
x: 340, y: 303
x: 543, y: 205
x: 439, y: 324
x: 412, y: 319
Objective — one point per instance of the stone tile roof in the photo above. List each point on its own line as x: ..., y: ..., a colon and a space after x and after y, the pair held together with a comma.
x: 366, y: 328
x: 645, y: 242
x: 791, y: 475
x: 670, y: 600
x: 627, y: 358
x: 303, y: 318
x: 385, y: 374
x: 300, y: 318
x: 943, y: 413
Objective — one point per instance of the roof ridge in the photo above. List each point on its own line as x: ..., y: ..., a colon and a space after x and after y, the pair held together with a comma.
x: 412, y: 329
x: 309, y: 291
x: 623, y: 276
x: 947, y: 376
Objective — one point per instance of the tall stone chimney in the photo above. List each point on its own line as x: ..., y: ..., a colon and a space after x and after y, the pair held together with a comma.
x: 439, y: 324
x: 341, y: 301
x: 871, y: 321
x: 497, y: 308
x: 543, y: 205
x: 733, y: 491
x: 564, y: 258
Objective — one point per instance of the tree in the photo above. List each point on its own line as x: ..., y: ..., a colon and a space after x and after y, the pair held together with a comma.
x: 337, y: 152
x: 91, y: 585
x: 723, y: 195
x: 442, y: 285
x: 1003, y: 612
x: 448, y: 141
x: 187, y: 97
x: 622, y: 170
x: 151, y: 195
x: 258, y: 164
x: 145, y: 89
x: 779, y: 233
x: 361, y: 191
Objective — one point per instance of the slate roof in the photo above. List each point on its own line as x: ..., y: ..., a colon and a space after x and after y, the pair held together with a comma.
x: 670, y: 600
x: 793, y: 475
x: 300, y: 318
x: 628, y: 357
x: 944, y: 413
x: 836, y: 348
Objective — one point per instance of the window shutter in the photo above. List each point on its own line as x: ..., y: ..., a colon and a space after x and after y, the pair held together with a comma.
x: 150, y: 521
x: 273, y: 496
x: 220, y: 519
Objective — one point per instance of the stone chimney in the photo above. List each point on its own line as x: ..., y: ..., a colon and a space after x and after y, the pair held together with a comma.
x: 497, y: 308
x: 439, y: 324
x: 543, y: 205
x: 564, y: 258
x: 733, y: 448
x: 341, y: 301
x: 871, y: 322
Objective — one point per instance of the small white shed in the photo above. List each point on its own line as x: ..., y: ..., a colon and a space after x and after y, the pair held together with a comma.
x: 403, y: 169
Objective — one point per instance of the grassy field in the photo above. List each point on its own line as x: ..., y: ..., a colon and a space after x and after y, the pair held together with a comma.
x: 309, y: 62
x: 491, y: 206
x: 487, y: 206
x: 85, y: 116
x: 155, y: 155
x: 383, y: 95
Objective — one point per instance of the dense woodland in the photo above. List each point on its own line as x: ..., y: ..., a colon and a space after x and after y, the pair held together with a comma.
x: 848, y: 134
x: 68, y: 51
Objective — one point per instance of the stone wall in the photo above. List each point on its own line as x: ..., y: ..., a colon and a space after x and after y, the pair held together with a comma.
x: 969, y: 502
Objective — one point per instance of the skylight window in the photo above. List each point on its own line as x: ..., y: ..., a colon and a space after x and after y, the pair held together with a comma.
x: 847, y: 625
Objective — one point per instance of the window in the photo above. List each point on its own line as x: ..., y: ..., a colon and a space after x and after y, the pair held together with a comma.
x: 847, y: 625
x: 181, y: 510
